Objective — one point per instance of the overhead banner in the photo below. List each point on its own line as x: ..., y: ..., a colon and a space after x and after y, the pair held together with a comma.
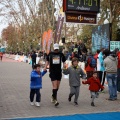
x: 81, y: 18
x: 58, y: 28
x: 49, y: 41
x: 44, y: 40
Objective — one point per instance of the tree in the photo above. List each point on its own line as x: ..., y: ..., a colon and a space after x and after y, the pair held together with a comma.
x: 110, y: 10
x: 27, y: 19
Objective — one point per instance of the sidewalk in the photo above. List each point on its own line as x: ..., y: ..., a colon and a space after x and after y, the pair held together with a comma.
x: 14, y: 95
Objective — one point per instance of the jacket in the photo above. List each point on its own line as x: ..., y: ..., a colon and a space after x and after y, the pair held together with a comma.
x: 94, y: 84
x: 100, y: 65
x: 118, y: 55
x: 74, y: 75
x: 36, y: 79
x: 88, y: 67
x: 110, y: 64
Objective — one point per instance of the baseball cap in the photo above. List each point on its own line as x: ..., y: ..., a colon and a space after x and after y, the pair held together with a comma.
x: 56, y: 46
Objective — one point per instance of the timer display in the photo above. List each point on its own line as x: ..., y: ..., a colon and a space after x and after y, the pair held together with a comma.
x: 83, y: 5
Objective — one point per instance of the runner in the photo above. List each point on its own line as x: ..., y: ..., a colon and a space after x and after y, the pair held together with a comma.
x: 54, y: 60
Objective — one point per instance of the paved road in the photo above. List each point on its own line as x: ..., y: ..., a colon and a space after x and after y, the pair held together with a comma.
x: 14, y: 95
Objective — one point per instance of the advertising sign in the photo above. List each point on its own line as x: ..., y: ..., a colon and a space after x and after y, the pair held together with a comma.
x: 100, y: 37
x: 83, y: 5
x: 114, y: 44
x: 81, y: 18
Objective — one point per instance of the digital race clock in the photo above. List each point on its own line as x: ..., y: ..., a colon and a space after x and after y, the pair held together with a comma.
x: 83, y: 5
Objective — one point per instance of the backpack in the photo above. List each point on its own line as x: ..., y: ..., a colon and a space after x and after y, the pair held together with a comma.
x: 93, y: 62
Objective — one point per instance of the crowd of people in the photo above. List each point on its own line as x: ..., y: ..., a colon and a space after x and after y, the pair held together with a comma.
x: 98, y: 67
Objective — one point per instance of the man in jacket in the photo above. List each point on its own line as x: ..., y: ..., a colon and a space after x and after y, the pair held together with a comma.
x: 110, y: 63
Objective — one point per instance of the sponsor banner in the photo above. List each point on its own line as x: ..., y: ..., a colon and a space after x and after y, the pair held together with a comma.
x: 49, y: 41
x: 58, y: 28
x: 81, y: 18
x: 114, y: 44
x: 44, y: 40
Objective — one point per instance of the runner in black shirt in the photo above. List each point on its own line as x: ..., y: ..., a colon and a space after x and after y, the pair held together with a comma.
x: 54, y: 60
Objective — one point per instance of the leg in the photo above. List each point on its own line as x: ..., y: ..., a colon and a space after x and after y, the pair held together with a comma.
x: 118, y: 80
x: 72, y: 92
x: 77, y: 89
x: 110, y: 86
x: 32, y: 65
x: 103, y: 78
x: 93, y: 96
x: 115, y: 86
x: 55, y: 85
x: 32, y: 93
x: 100, y: 75
x: 38, y: 95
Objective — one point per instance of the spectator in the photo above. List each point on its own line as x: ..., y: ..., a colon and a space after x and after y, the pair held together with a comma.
x: 1, y: 55
x: 118, y: 69
x: 100, y: 67
x: 110, y: 63
x: 96, y: 55
x: 82, y: 51
x: 33, y: 57
x: 88, y: 68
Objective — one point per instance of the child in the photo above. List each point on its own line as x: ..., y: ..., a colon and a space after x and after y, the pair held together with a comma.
x: 36, y: 84
x: 74, y: 72
x: 94, y: 87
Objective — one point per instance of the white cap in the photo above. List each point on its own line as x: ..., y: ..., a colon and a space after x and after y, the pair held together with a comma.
x: 56, y: 46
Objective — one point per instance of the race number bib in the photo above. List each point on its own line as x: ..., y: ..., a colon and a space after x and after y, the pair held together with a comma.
x: 56, y: 59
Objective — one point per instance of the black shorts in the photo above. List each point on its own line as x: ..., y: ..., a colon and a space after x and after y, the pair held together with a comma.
x: 55, y: 76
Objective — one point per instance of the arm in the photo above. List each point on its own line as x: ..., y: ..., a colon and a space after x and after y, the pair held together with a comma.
x: 47, y: 62
x: 44, y: 72
x: 104, y: 63
x: 82, y: 74
x: 101, y: 59
x: 100, y: 84
x: 34, y: 76
x: 65, y: 70
x: 86, y: 81
x: 63, y: 58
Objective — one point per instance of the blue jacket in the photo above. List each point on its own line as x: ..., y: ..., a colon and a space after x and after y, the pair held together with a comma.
x: 36, y: 79
x: 100, y: 58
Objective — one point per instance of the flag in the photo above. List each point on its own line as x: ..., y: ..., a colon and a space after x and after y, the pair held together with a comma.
x: 58, y: 28
x: 49, y: 41
x: 44, y: 40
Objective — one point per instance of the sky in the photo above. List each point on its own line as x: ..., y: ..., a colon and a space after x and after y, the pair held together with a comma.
x: 2, y: 24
